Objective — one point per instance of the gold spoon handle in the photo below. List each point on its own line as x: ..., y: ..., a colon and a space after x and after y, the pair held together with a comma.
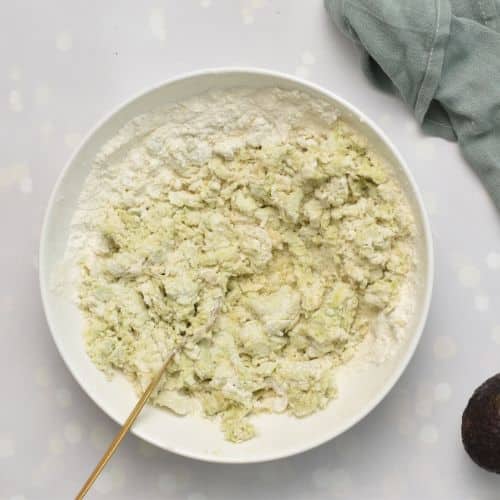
x: 123, y: 431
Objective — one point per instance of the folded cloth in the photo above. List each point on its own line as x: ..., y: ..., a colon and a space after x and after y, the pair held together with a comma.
x: 443, y: 58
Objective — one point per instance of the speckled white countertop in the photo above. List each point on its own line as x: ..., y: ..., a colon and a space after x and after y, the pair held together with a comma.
x: 62, y: 66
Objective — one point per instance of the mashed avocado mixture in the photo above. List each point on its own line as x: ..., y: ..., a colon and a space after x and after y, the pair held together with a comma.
x: 270, y: 262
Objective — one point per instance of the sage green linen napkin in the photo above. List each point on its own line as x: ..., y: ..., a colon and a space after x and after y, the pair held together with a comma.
x: 443, y: 58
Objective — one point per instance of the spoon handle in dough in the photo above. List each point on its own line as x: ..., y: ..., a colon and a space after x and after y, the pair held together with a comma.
x: 123, y: 431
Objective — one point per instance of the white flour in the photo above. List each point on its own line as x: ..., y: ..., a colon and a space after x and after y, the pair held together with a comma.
x: 189, y: 134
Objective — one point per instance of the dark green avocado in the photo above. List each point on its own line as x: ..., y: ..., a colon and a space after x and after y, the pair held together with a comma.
x: 481, y: 425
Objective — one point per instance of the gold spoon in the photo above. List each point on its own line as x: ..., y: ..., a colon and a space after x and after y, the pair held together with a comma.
x: 140, y: 404
x: 123, y: 431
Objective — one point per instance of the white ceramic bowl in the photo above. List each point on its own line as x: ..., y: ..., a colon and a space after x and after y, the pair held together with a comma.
x: 278, y: 435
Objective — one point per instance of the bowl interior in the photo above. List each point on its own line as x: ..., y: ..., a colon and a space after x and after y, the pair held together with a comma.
x: 278, y: 435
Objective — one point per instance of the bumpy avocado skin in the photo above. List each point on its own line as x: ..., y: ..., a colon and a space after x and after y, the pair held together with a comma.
x: 481, y: 425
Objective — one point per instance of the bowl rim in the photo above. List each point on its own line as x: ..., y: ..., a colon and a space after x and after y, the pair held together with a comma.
x: 428, y: 251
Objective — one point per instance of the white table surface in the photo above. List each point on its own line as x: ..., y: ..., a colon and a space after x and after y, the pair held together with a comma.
x: 62, y: 66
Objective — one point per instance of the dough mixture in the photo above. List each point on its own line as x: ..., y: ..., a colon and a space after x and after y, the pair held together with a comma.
x: 255, y: 227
